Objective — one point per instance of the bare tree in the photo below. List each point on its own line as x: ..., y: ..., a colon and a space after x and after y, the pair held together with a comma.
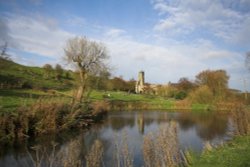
x: 3, y: 50
x: 88, y: 56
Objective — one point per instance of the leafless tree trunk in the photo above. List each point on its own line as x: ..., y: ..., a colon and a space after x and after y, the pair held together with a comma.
x: 88, y: 56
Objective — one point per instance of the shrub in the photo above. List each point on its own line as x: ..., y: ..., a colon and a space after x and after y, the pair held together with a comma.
x: 181, y: 95
x: 100, y: 106
x: 202, y: 95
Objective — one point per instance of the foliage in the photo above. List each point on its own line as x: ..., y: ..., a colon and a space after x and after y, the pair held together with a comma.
x: 48, y: 70
x: 184, y: 84
x: 41, y: 117
x: 167, y: 91
x: 119, y: 84
x: 59, y: 71
x: 215, y: 80
x: 202, y: 95
x: 100, y: 107
x: 181, y: 95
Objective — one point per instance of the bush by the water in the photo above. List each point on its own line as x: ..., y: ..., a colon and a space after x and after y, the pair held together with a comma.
x: 202, y: 95
x: 45, y: 117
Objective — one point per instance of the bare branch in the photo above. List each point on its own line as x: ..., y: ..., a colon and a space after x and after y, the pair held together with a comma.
x: 88, y: 56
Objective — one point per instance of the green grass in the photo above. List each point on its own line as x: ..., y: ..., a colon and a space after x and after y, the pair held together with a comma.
x: 236, y: 153
x: 10, y: 99
x: 119, y: 95
x: 134, y: 100
x: 17, y: 75
x: 200, y: 107
x: 13, y: 98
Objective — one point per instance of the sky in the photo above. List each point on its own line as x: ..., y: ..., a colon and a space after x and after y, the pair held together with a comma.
x: 167, y: 39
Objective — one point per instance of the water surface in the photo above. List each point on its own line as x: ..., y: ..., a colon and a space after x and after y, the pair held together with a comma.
x: 193, y: 130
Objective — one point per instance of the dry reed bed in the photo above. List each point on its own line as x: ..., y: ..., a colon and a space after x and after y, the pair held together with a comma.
x: 48, y: 117
x: 162, y: 148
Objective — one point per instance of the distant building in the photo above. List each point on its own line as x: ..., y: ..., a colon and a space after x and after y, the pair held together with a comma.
x: 140, y: 84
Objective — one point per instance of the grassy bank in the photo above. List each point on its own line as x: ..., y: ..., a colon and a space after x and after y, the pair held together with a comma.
x: 235, y: 153
x: 10, y: 99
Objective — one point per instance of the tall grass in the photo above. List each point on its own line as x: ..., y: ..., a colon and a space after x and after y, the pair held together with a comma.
x: 241, y: 119
x: 162, y: 148
x: 122, y: 155
x: 94, y: 157
x: 47, y: 116
x: 71, y: 155
x: 67, y: 156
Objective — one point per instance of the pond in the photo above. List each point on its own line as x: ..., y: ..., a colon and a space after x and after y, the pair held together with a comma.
x: 121, y: 134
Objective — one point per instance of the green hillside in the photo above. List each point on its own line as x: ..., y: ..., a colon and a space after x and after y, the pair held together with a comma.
x: 13, y: 75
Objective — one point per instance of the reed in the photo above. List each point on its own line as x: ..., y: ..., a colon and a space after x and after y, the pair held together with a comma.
x: 162, y: 148
x: 94, y: 157
x: 241, y: 119
x: 122, y: 155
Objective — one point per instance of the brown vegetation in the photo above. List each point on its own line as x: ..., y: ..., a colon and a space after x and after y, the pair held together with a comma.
x: 94, y: 157
x: 202, y: 95
x: 162, y: 148
x: 241, y: 120
x: 45, y: 117
x: 122, y: 154
x: 100, y: 107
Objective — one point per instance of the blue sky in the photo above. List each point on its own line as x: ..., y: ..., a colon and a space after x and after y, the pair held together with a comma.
x: 168, y: 39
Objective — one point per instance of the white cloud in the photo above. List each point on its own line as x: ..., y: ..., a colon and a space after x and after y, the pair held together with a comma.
x: 162, y: 63
x: 74, y: 20
x: 115, y: 33
x: 184, y: 16
x: 37, y: 35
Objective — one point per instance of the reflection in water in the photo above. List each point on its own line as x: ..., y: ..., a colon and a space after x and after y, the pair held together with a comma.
x: 208, y: 125
x: 140, y: 122
x: 191, y: 131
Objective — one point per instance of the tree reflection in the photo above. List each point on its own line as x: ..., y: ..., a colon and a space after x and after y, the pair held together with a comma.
x: 208, y: 125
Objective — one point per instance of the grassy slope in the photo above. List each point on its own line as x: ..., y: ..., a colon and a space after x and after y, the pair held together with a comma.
x: 236, y: 153
x: 13, y: 98
x: 14, y: 73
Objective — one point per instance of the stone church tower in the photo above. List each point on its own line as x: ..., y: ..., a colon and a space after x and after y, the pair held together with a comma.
x: 139, y: 87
